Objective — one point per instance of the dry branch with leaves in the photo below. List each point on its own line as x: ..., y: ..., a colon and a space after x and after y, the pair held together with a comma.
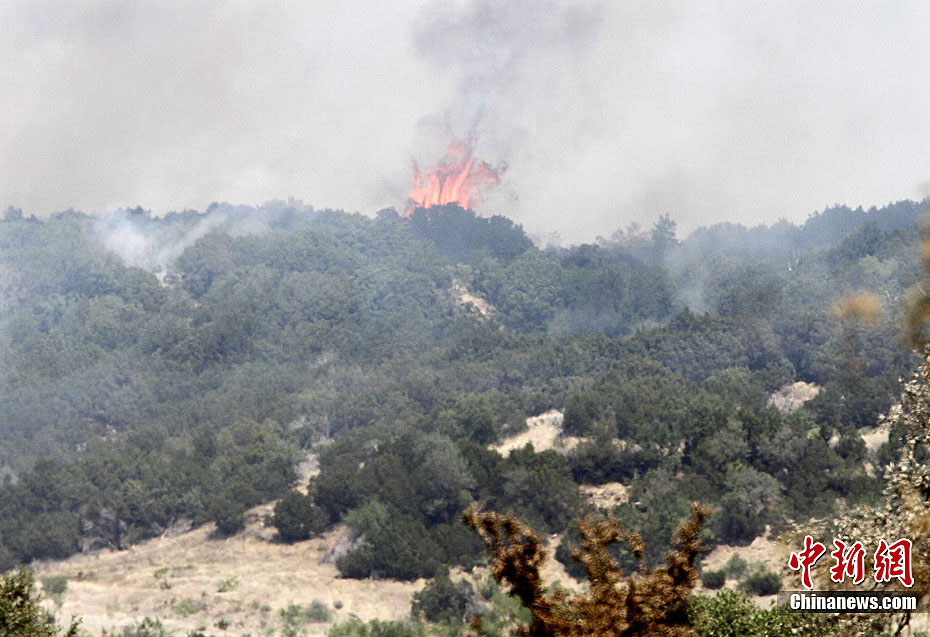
x: 647, y: 602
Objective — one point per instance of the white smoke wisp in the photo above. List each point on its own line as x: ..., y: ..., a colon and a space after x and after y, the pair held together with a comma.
x: 148, y: 245
x: 155, y: 244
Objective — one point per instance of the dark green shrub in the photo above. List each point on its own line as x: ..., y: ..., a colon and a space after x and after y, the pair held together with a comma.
x: 459, y: 545
x: 598, y: 461
x: 228, y: 515
x: 388, y: 544
x: 761, y: 582
x: 297, y: 518
x: 736, y: 525
x: 443, y: 601
x: 376, y: 628
x: 581, y: 411
x: 713, y: 579
x: 736, y: 566
x: 318, y: 612
x: 54, y: 584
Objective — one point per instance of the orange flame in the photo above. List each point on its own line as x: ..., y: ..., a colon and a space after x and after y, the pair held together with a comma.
x: 459, y: 179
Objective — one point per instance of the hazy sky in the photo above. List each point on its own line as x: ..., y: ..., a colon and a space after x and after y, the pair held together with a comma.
x: 605, y: 113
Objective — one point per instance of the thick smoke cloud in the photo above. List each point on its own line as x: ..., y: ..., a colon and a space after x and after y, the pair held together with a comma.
x: 505, y: 59
x: 606, y: 113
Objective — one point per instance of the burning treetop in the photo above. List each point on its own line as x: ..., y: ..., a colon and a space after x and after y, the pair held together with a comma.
x: 459, y: 179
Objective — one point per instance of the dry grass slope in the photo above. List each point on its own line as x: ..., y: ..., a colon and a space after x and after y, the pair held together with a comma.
x: 114, y: 588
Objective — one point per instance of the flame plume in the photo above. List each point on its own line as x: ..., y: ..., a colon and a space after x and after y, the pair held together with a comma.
x: 459, y: 179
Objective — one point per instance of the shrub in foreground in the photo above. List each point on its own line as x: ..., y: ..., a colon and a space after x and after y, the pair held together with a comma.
x: 20, y: 609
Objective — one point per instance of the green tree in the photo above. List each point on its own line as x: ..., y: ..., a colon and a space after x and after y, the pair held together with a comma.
x: 581, y: 412
x: 13, y: 214
x: 21, y: 614
x: 751, y: 498
x: 539, y: 487
x: 663, y: 236
x: 297, y: 518
x: 228, y: 514
x: 443, y: 601
x: 388, y: 544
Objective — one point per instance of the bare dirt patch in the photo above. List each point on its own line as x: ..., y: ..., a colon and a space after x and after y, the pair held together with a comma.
x: 875, y: 439
x: 469, y: 302
x: 770, y: 553
x: 792, y: 396
x: 761, y: 549
x: 607, y: 495
x: 542, y: 433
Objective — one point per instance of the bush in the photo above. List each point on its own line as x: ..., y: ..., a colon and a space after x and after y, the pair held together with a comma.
x: 291, y: 618
x: 228, y: 584
x: 736, y: 566
x: 581, y: 410
x: 185, y: 607
x: 376, y: 628
x: 761, y: 582
x: 388, y: 545
x: 733, y: 614
x: 737, y: 526
x: 598, y: 461
x: 443, y: 601
x: 713, y: 579
x: 54, y: 584
x: 297, y: 518
x: 318, y: 612
x: 228, y: 515
x: 148, y: 627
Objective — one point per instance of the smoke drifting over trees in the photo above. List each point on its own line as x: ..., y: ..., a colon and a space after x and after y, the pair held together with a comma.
x: 607, y: 113
x: 154, y: 244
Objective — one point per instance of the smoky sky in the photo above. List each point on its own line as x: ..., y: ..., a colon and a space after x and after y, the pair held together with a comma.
x: 606, y: 113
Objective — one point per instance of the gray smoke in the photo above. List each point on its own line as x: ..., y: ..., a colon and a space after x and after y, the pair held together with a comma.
x: 504, y: 58
x: 154, y: 244
x: 606, y: 112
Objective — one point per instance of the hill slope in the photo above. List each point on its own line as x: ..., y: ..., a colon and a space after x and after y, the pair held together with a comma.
x: 177, y: 579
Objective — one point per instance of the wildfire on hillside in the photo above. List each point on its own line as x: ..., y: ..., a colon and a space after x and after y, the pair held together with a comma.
x: 459, y: 178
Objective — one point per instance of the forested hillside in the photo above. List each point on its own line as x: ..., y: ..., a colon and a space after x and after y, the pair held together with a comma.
x: 154, y: 370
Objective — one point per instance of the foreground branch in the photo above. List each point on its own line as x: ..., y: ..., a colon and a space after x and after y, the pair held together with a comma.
x: 648, y: 602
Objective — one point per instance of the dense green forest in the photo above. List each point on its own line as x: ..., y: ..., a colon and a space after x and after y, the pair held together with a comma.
x: 154, y: 370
